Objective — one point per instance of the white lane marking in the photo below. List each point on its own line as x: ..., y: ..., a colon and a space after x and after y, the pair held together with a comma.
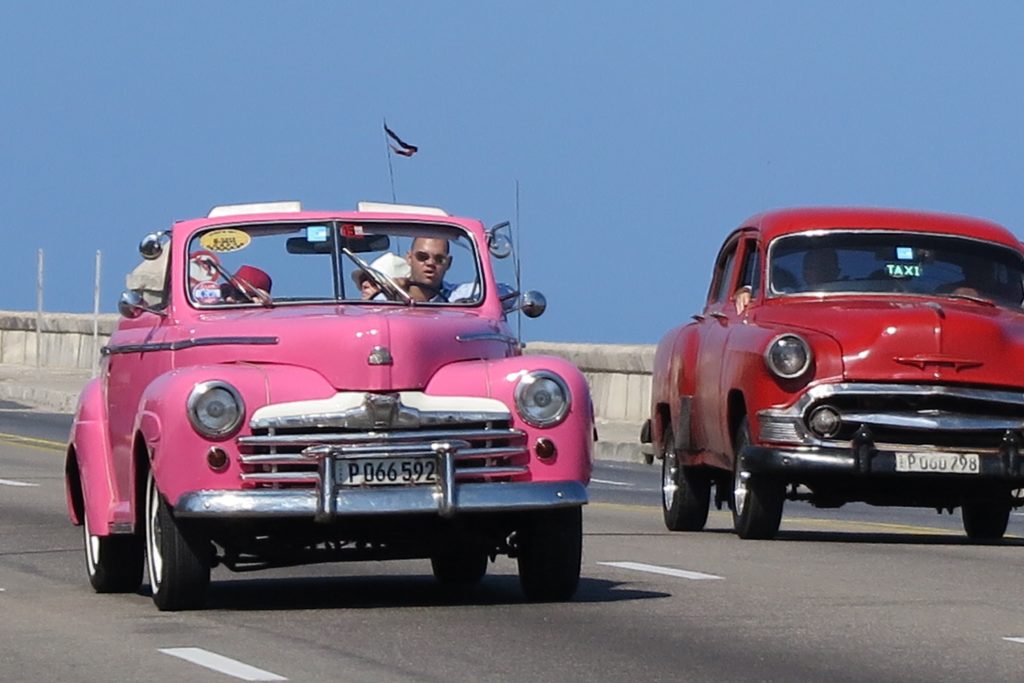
x: 610, y: 483
x: 1014, y: 640
x: 667, y: 571
x: 224, y: 665
x: 11, y: 482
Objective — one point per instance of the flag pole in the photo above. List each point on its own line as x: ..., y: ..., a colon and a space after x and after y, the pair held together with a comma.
x: 391, y: 170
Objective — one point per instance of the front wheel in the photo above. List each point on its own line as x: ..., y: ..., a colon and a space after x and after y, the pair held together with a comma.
x: 461, y: 565
x: 114, y: 563
x: 757, y: 498
x: 550, y: 548
x: 686, y: 491
x: 985, y: 519
x: 178, y: 558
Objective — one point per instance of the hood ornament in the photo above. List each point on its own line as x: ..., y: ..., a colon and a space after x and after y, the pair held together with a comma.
x: 380, y: 355
x: 922, y: 361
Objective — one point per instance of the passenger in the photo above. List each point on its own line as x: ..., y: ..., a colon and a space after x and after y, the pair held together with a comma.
x: 389, y: 264
x: 255, y: 286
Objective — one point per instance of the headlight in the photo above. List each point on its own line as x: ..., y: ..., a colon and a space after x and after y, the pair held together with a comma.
x: 788, y: 356
x: 542, y: 398
x: 215, y: 409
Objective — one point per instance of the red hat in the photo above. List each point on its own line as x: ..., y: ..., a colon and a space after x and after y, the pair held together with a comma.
x: 255, y: 277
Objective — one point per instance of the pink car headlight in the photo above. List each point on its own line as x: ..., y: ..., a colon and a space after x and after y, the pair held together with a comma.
x: 542, y: 398
x: 215, y: 409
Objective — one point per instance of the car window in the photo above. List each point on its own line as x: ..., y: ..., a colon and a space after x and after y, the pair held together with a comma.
x: 724, y: 272
x: 306, y: 262
x: 895, y: 263
x: 751, y: 273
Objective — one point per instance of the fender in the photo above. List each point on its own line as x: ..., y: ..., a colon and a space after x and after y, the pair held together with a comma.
x: 89, y: 455
x: 673, y: 385
x: 178, y: 462
x: 498, y: 379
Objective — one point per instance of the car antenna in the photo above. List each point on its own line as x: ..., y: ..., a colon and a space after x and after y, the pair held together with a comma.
x: 519, y: 284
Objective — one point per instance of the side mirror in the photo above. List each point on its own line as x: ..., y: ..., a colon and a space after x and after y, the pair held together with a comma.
x: 132, y: 305
x: 152, y: 245
x: 533, y: 304
x: 498, y: 244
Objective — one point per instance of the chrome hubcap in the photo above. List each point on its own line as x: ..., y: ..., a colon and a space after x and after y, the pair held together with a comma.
x: 92, y: 547
x: 155, y: 559
x: 739, y: 491
x: 669, y: 472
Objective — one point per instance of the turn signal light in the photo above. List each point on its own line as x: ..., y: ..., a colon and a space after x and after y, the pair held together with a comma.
x: 545, y: 448
x: 217, y: 459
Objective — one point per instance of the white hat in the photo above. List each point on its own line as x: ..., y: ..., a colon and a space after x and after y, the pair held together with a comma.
x: 389, y: 264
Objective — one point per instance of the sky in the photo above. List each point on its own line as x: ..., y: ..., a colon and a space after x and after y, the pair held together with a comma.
x: 639, y: 134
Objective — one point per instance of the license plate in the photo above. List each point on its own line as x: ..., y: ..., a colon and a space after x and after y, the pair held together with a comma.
x: 938, y: 463
x: 385, y: 471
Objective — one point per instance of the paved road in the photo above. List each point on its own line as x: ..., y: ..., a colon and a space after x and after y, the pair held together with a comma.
x: 852, y: 595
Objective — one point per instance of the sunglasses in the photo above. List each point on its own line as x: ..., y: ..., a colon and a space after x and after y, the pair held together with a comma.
x: 439, y: 259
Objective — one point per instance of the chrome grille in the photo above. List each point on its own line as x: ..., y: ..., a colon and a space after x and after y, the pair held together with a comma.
x: 287, y: 451
x: 937, y: 416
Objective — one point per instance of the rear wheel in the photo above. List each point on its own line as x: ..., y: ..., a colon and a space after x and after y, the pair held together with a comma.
x: 114, y: 563
x: 985, y: 519
x: 550, y: 547
x: 686, y: 491
x: 757, y: 498
x: 178, y: 558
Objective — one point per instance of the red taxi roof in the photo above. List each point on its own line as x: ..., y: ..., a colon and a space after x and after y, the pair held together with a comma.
x: 784, y: 221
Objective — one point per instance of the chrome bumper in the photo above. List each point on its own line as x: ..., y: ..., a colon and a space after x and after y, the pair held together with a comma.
x: 462, y: 498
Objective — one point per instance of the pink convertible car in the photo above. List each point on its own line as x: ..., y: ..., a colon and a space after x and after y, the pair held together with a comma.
x: 290, y: 387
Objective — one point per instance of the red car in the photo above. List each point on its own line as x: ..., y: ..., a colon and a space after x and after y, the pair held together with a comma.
x: 848, y: 355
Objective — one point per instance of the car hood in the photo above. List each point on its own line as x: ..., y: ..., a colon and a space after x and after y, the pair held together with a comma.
x: 364, y: 348
x: 912, y: 339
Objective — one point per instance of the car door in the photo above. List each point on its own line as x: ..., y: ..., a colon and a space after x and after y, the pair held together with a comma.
x: 733, y: 269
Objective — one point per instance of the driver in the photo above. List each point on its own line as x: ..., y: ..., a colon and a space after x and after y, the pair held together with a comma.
x: 820, y: 266
x: 429, y: 259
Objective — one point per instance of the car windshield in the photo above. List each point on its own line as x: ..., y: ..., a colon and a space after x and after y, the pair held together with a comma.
x: 328, y: 261
x: 895, y: 263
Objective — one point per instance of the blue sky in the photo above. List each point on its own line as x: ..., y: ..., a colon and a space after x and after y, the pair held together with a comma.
x: 640, y: 133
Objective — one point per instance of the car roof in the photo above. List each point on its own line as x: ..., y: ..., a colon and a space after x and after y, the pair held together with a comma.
x: 780, y: 222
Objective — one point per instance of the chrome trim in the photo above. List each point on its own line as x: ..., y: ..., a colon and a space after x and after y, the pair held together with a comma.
x: 384, y: 438
x: 198, y: 391
x: 521, y: 388
x: 466, y: 498
x: 776, y: 421
x: 370, y: 415
x: 111, y: 349
x: 486, y: 336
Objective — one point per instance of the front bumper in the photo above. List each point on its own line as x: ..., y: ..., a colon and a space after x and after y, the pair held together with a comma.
x: 462, y: 498
x: 800, y: 464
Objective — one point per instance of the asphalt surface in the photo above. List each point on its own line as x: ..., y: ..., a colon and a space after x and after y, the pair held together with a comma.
x: 857, y: 594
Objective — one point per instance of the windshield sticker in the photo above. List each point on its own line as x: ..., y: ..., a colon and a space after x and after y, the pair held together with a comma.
x: 350, y: 230
x: 223, y: 241
x: 206, y: 293
x: 903, y: 269
x: 904, y: 253
x: 202, y: 267
x: 316, y: 233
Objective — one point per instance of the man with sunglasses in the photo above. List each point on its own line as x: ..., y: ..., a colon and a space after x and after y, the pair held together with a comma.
x: 429, y: 259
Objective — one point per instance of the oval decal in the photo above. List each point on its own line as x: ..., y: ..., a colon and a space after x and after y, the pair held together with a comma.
x: 225, y: 240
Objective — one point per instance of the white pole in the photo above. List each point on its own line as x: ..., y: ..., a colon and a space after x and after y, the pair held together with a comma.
x: 39, y: 310
x: 96, y: 316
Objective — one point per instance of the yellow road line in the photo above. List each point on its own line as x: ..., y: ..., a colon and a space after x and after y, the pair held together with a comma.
x: 47, y: 444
